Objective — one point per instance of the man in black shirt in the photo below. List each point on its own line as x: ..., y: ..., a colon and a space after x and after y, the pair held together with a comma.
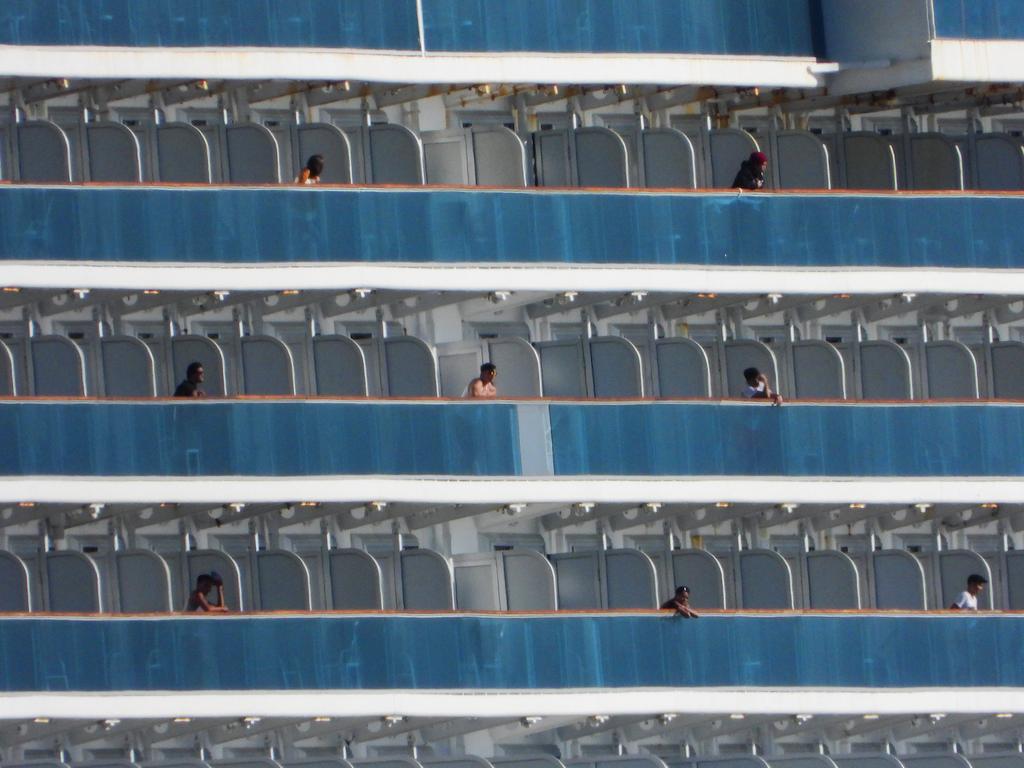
x: 751, y: 175
x: 192, y: 385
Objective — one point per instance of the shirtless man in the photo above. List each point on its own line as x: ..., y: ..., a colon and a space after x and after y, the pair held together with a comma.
x: 198, y: 600
x: 484, y: 385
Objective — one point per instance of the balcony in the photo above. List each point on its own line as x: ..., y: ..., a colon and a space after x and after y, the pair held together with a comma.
x: 282, y: 226
x: 288, y: 438
x: 756, y: 27
x: 474, y: 653
x: 979, y: 19
x: 363, y: 24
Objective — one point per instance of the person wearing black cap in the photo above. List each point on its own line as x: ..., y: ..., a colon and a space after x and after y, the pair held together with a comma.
x: 751, y: 173
x: 680, y: 603
x: 198, y: 601
x: 968, y: 600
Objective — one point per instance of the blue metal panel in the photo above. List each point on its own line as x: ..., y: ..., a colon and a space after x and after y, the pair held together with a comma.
x: 220, y: 23
x: 979, y: 19
x: 767, y: 27
x: 275, y: 225
x: 295, y: 438
x: 258, y: 439
x: 853, y: 441
x: 480, y: 652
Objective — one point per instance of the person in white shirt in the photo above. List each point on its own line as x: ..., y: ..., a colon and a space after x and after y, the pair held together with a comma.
x: 758, y: 388
x: 968, y: 600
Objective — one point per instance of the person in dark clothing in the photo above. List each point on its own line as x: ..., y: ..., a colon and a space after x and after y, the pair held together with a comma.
x: 680, y: 603
x: 751, y: 175
x: 192, y: 385
x: 198, y: 600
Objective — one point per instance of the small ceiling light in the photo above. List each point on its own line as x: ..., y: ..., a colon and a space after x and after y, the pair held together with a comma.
x: 707, y: 295
x: 512, y: 510
x: 906, y: 298
x: 309, y: 503
x: 567, y: 297
x: 80, y: 293
x: 723, y: 504
x: 108, y: 724
x: 583, y: 508
x: 530, y: 720
x: 251, y: 721
x: 789, y: 508
x: 667, y: 718
x: 774, y: 298
x: 362, y: 293
x: 922, y: 507
x: 497, y: 297
x: 840, y: 296
x: 554, y: 90
x: 321, y: 719
x: 652, y: 507
x: 736, y: 716
x: 41, y: 720
x: 1004, y: 715
x: 990, y: 505
x: 11, y: 289
x: 221, y: 295
x: 638, y: 296
x: 378, y: 506
x: 202, y: 85
x: 151, y: 292
x: 26, y: 503
x: 858, y: 505
x: 183, y: 719
x: 599, y: 719
x: 346, y: 85
x: 390, y: 721
x: 804, y: 718
x: 870, y: 717
x: 290, y: 292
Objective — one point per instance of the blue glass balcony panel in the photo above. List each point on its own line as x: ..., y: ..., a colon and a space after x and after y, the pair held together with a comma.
x: 215, y: 23
x: 735, y: 27
x: 854, y: 441
x: 258, y: 439
x: 477, y: 652
x: 295, y: 438
x: 764, y: 27
x: 430, y: 226
x: 979, y: 19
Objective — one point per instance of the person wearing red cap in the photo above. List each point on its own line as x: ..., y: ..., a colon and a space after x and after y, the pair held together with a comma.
x: 751, y: 174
